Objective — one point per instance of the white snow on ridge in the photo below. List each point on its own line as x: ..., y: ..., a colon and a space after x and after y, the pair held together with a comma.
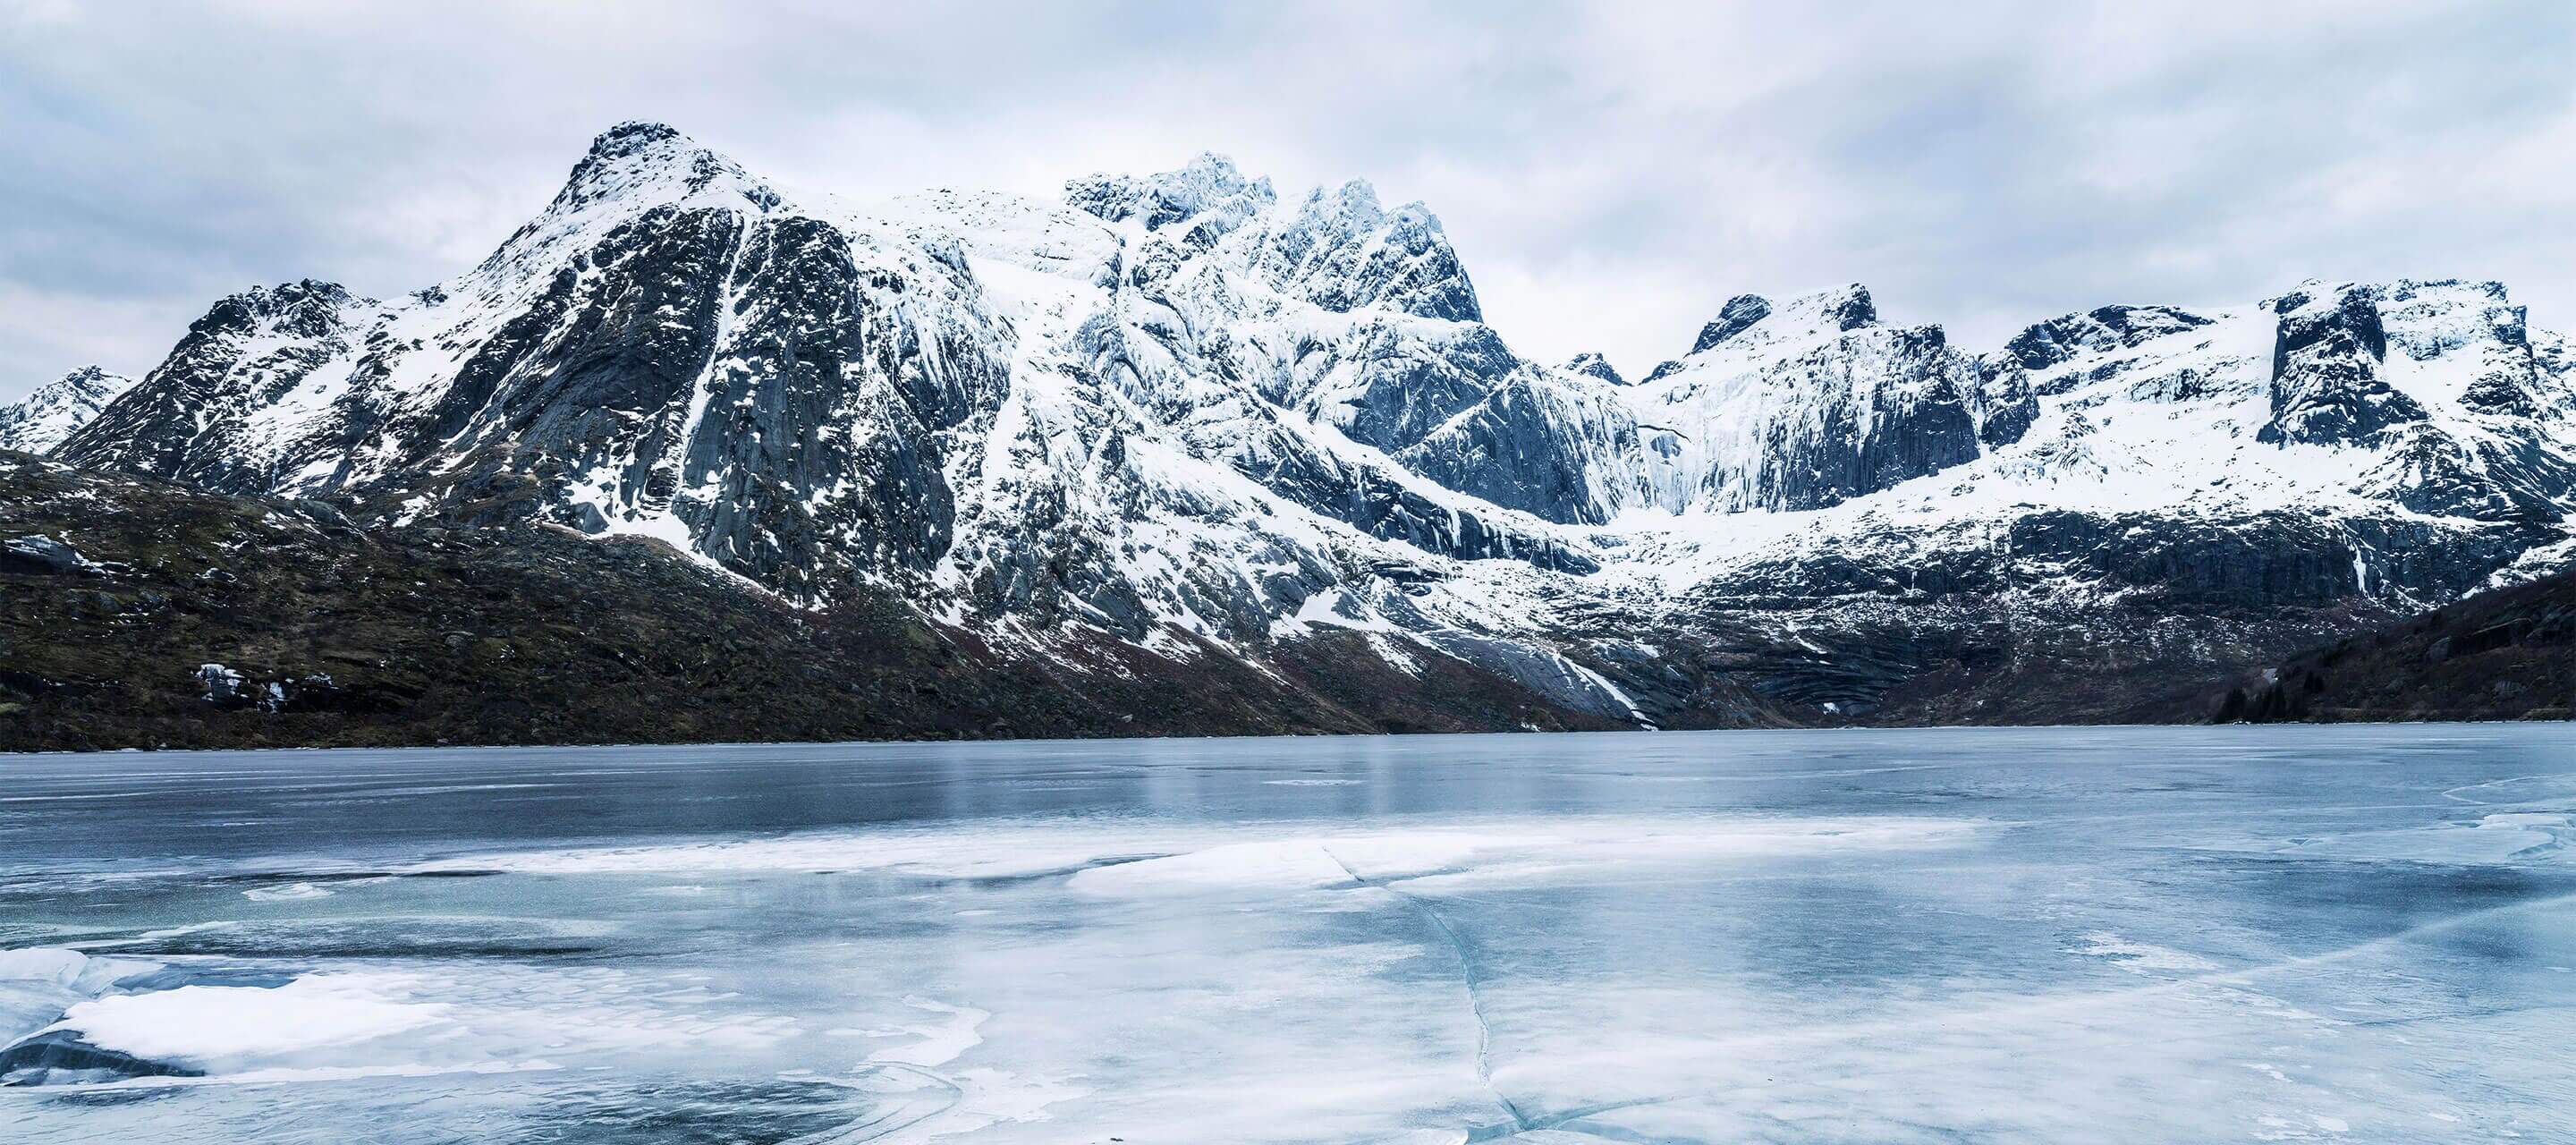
x: 40, y: 421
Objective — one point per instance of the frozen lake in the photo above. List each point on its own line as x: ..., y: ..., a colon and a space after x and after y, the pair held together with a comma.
x: 2140, y: 935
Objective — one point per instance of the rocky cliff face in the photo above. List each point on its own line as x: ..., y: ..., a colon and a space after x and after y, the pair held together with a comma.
x: 2326, y: 364
x: 1805, y: 405
x: 1184, y: 413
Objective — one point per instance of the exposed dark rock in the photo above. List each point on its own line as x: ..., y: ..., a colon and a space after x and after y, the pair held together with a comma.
x: 2002, y: 402
x: 1738, y: 315
x: 1912, y: 419
x: 1535, y: 446
x: 2326, y: 386
x: 1401, y: 396
x: 1852, y: 308
x: 1383, y: 506
x: 1962, y: 629
x: 249, y: 348
x: 2059, y: 340
x: 37, y: 553
x: 1594, y: 366
x: 2431, y: 472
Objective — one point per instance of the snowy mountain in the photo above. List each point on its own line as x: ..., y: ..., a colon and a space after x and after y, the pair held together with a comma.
x: 1188, y: 414
x: 58, y: 407
x: 2188, y: 489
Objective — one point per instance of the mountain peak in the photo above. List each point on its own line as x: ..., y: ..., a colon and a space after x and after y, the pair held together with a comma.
x: 1756, y: 321
x: 631, y: 169
x: 1354, y: 208
x: 654, y: 163
x: 1342, y: 250
x: 59, y: 407
x: 1210, y: 168
x: 1208, y: 185
x: 1845, y: 307
x: 633, y: 135
x: 1354, y: 199
x: 306, y: 306
x: 1592, y: 365
x: 1738, y: 315
x: 2047, y: 344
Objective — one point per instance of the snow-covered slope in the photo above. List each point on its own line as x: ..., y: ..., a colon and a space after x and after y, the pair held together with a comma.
x: 1811, y: 403
x: 56, y: 408
x: 1186, y: 412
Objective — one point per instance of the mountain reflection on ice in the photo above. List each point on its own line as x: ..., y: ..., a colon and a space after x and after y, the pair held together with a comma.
x: 2051, y: 935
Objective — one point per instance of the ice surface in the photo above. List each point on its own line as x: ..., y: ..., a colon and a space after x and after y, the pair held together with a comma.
x: 218, y: 1022
x: 2136, y: 935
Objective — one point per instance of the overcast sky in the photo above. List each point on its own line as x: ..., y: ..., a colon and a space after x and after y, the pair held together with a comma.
x: 1611, y: 173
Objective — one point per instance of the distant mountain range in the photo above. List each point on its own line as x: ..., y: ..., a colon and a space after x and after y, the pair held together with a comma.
x: 44, y: 418
x: 1184, y: 416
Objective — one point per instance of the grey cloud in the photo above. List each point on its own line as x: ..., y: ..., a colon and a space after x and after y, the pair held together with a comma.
x: 1611, y: 172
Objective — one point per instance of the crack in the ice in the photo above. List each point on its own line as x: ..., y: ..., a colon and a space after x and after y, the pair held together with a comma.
x: 1571, y: 1119
x: 2450, y: 1015
x: 1053, y: 873
x: 897, y: 1116
x: 1521, y: 1122
x: 2045, y: 1006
